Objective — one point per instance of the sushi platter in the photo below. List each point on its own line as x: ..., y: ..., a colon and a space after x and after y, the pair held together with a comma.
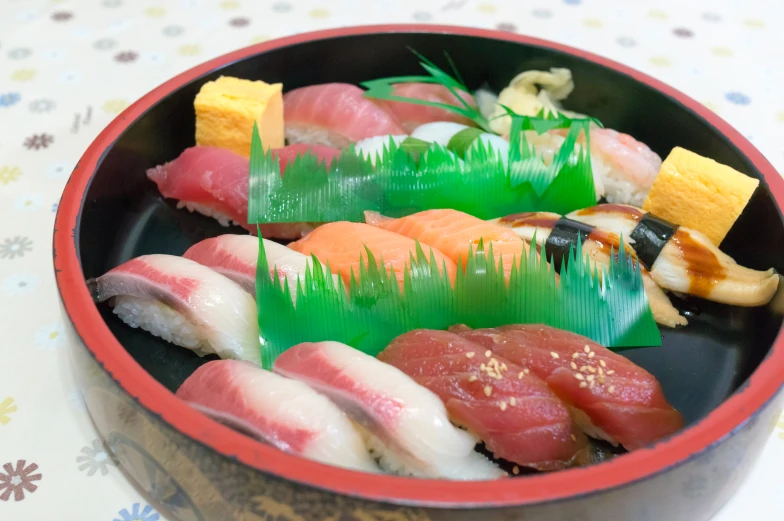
x: 428, y: 288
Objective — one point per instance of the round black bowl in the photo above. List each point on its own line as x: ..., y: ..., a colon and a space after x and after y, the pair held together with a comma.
x: 723, y: 371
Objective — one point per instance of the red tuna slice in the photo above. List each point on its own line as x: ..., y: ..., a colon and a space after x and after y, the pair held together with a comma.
x: 287, y: 154
x: 612, y: 398
x: 282, y: 412
x: 514, y: 412
x: 236, y: 256
x: 406, y: 423
x: 214, y: 182
x: 412, y: 115
x: 334, y: 114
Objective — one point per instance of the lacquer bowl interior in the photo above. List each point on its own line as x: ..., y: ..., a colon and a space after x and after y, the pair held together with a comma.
x: 699, y: 366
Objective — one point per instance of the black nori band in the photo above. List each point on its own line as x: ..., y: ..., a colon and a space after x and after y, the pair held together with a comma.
x: 563, y: 237
x: 651, y: 235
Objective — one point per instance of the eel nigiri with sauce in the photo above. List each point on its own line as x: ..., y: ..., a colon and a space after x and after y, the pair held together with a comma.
x: 557, y: 234
x: 682, y: 260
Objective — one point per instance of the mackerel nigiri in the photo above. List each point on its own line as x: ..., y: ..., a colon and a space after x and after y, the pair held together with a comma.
x: 184, y: 303
x: 341, y: 245
x: 688, y: 262
x: 514, y: 412
x: 334, y: 114
x: 411, y: 115
x: 282, y: 412
x: 214, y: 182
x: 236, y: 256
x: 611, y: 397
x: 597, y: 244
x: 406, y: 423
x: 453, y: 233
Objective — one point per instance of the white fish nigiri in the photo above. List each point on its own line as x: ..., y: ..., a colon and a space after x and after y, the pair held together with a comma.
x: 184, y: 303
x: 235, y: 256
x: 282, y: 412
x: 372, y: 147
x: 407, y: 424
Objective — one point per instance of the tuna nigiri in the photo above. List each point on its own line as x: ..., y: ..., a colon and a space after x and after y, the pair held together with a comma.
x: 214, y: 182
x: 341, y: 244
x: 598, y: 245
x: 411, y: 115
x: 453, y: 233
x: 184, y: 303
x: 334, y: 114
x: 612, y: 398
x: 235, y: 256
x: 282, y: 412
x: 689, y: 262
x: 406, y: 423
x: 514, y: 412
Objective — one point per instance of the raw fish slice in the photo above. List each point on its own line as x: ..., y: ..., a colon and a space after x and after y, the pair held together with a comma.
x: 214, y: 182
x: 407, y: 423
x: 514, y: 412
x: 282, y: 412
x: 597, y: 246
x: 411, y: 115
x: 453, y: 233
x: 373, y: 147
x: 184, y: 303
x: 334, y: 114
x: 612, y: 398
x: 340, y: 244
x: 236, y: 256
x: 689, y: 262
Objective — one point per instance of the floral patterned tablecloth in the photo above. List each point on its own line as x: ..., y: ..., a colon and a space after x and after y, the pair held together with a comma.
x: 68, y: 67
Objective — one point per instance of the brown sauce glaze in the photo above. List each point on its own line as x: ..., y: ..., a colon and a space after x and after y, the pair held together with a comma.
x: 702, y: 266
x: 630, y: 211
x: 528, y: 219
x: 608, y: 241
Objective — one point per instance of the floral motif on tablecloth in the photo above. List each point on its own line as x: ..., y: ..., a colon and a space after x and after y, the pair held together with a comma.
x: 96, y: 458
x: 780, y: 427
x: 9, y: 98
x: 7, y: 407
x: 16, y: 480
x: 38, y: 141
x: 137, y: 513
x: 50, y: 336
x: 19, y: 284
x: 14, y: 247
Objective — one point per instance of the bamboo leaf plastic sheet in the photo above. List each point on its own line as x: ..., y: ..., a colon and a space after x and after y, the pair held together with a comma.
x: 609, y: 307
x: 402, y: 182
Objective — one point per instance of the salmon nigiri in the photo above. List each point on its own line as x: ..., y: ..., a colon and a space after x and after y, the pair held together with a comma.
x: 411, y: 115
x: 612, y: 397
x: 341, y: 244
x: 454, y: 232
x: 513, y: 411
x: 334, y: 114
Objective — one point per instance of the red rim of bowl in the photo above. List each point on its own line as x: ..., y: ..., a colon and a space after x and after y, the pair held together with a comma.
x: 720, y: 423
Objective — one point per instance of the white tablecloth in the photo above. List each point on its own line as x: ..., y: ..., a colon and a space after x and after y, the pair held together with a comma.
x: 68, y: 67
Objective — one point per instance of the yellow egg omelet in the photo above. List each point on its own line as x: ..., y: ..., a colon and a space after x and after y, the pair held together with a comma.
x: 699, y: 193
x: 227, y: 108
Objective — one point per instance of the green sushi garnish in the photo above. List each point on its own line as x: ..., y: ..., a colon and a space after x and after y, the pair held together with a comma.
x: 611, y: 309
